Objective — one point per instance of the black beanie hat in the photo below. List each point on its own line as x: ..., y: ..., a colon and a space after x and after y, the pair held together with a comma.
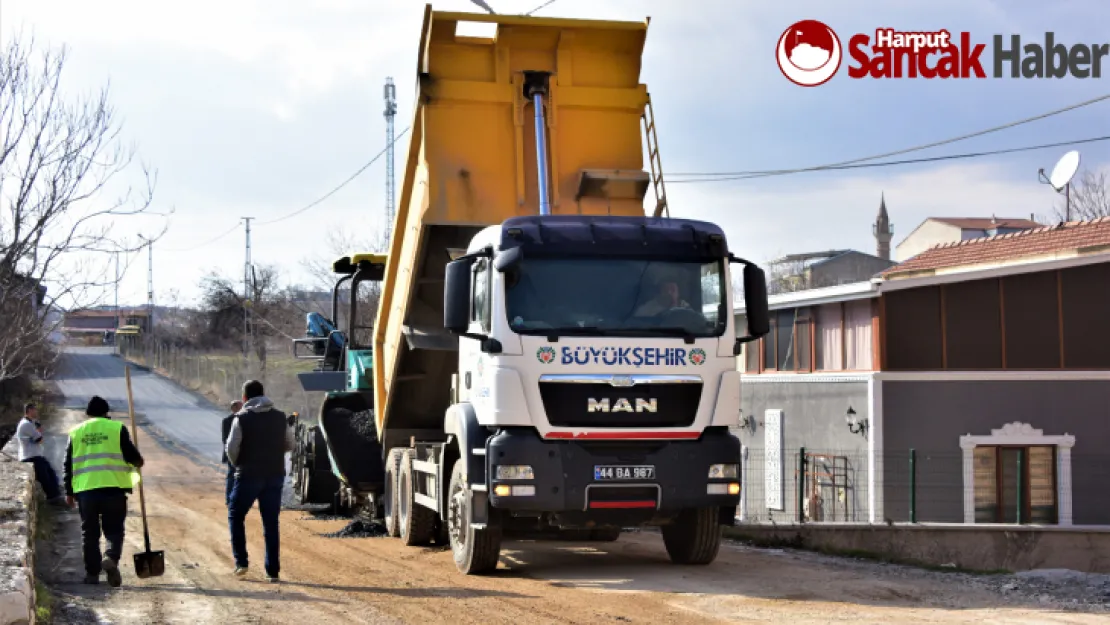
x: 97, y: 407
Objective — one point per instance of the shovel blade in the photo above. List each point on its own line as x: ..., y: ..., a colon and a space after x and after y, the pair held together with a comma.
x: 150, y: 564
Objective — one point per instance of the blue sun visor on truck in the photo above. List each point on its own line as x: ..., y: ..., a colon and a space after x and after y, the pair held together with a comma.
x: 586, y: 235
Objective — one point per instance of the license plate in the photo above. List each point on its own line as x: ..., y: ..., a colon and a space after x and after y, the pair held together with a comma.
x: 614, y: 472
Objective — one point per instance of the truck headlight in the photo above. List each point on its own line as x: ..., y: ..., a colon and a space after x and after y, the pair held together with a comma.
x: 515, y: 472
x: 724, y: 471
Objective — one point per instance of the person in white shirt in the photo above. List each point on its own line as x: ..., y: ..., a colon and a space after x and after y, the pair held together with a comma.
x: 29, y: 434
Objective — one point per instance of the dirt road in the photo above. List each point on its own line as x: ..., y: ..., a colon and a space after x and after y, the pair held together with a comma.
x: 378, y: 580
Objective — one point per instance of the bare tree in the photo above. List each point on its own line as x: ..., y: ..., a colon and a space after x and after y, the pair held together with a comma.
x: 1090, y: 197
x: 223, y: 311
x: 61, y: 188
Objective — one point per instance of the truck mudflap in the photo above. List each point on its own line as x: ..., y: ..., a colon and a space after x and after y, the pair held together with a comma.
x: 347, y: 423
x: 647, y: 480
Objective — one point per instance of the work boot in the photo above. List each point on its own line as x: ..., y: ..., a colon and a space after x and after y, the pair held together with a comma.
x: 240, y: 571
x: 273, y: 579
x: 111, y: 569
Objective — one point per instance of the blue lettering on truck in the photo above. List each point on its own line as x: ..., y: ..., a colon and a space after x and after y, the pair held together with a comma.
x: 632, y: 356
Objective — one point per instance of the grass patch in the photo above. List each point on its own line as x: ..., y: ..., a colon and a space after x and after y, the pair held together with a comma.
x: 798, y: 542
x: 44, y: 604
x: 44, y: 518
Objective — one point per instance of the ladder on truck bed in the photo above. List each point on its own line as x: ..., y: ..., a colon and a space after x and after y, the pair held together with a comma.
x: 654, y: 160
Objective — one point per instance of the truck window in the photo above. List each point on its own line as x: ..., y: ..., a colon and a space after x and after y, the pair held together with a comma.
x: 479, y: 308
x: 625, y: 297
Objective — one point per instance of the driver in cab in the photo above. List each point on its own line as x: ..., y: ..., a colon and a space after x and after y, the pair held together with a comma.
x: 666, y: 299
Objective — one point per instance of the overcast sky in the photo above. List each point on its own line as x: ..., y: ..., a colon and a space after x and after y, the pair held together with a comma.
x: 257, y: 108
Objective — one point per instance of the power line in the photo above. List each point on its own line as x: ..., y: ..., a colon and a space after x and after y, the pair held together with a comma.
x: 930, y: 159
x: 200, y: 245
x: 980, y: 133
x: 341, y: 185
x: 540, y: 7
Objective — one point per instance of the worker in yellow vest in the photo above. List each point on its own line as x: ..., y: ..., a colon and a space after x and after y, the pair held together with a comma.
x: 99, y: 475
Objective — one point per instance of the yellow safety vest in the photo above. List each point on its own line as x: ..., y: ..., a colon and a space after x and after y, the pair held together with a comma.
x: 97, y: 458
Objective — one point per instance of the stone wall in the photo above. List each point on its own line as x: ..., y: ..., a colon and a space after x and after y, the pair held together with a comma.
x: 978, y: 547
x: 17, y: 538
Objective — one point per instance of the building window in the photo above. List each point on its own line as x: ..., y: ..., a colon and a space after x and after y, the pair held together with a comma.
x: 914, y: 330
x: 1017, y: 465
x: 1085, y: 300
x: 1011, y: 477
x: 830, y: 337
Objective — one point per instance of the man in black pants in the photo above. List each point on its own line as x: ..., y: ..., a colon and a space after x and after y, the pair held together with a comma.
x: 226, y: 425
x: 259, y: 438
x: 98, y: 474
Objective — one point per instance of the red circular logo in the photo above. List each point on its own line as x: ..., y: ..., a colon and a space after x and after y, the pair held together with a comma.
x: 808, y: 53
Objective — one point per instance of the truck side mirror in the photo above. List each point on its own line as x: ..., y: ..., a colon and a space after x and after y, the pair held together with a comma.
x: 456, y: 296
x: 755, y: 301
x: 508, y: 259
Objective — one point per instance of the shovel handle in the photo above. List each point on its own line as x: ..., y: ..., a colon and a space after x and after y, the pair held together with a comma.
x: 135, y: 441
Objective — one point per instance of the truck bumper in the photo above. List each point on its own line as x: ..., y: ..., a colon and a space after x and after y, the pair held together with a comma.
x: 564, y: 480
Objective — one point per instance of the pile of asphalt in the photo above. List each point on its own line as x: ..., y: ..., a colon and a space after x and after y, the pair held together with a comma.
x: 6, y: 433
x: 360, y: 528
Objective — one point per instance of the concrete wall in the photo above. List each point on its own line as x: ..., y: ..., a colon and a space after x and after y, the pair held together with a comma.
x: 971, y: 547
x: 847, y: 268
x: 930, y: 416
x: 926, y: 235
x: 813, y: 416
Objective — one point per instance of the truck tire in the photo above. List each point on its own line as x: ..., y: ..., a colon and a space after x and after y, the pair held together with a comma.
x: 389, y: 494
x: 694, y: 537
x: 475, y: 550
x: 317, y: 484
x: 416, y: 523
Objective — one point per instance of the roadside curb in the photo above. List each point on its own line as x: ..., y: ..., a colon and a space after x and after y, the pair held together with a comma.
x: 18, y: 520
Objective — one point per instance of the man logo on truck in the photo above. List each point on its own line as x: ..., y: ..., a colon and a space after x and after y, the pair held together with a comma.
x: 622, y: 405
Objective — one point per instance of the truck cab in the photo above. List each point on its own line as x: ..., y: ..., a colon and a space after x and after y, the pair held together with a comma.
x: 598, y: 353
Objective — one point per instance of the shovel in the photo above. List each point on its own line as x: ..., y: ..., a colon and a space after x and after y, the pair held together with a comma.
x: 148, y: 563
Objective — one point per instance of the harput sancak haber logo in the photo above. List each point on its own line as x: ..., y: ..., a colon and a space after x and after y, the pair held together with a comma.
x: 809, y: 53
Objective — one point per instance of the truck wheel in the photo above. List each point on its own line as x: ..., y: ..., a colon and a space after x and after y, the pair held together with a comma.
x: 389, y: 496
x: 605, y: 534
x: 417, y: 524
x: 694, y: 537
x: 475, y: 550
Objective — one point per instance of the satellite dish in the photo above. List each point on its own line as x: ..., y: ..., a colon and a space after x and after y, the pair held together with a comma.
x: 1064, y: 170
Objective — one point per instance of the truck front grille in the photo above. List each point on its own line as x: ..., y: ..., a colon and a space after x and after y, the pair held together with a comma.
x: 602, y: 405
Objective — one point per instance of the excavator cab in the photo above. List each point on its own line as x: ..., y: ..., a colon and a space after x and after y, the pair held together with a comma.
x: 337, y: 351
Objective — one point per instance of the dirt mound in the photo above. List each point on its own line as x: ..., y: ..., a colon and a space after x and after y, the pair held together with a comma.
x: 360, y: 528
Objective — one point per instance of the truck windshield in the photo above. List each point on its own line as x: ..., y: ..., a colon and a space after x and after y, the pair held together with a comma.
x: 598, y: 296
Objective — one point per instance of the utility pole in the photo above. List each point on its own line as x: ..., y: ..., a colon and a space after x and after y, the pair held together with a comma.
x: 246, y: 292
x: 117, y: 291
x: 390, y: 94
x: 149, y: 284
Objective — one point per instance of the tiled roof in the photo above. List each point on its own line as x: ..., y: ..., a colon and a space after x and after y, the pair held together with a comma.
x: 983, y: 223
x: 1040, y: 241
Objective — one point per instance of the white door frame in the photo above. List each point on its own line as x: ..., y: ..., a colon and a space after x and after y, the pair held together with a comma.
x: 1018, y: 433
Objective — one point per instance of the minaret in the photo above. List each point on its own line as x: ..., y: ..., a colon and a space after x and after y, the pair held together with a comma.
x: 883, y: 230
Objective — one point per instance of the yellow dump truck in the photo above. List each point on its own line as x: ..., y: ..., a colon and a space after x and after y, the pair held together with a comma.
x: 548, y: 355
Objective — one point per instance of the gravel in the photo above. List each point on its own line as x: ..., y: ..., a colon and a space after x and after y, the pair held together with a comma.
x: 1052, y: 589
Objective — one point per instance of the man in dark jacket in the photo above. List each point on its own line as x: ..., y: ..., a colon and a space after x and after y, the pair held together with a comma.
x: 257, y: 443
x: 236, y: 406
x: 98, y: 473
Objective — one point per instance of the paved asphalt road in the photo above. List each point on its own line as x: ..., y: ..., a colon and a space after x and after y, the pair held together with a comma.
x: 186, y: 417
